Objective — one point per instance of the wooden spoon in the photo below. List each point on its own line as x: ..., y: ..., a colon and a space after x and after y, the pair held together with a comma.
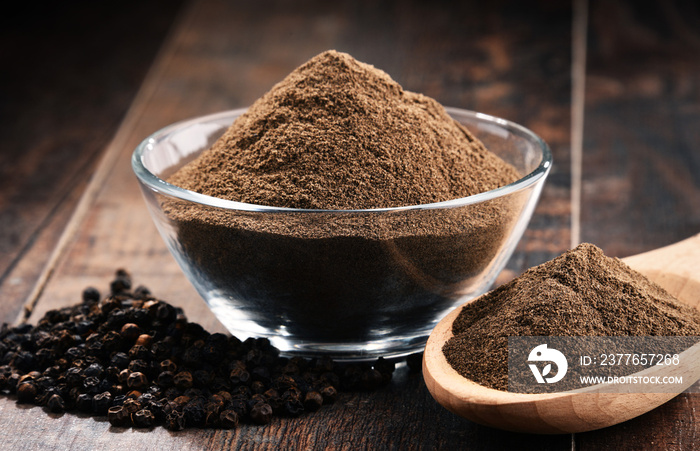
x: 676, y: 268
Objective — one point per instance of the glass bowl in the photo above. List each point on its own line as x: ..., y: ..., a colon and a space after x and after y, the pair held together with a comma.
x: 350, y: 284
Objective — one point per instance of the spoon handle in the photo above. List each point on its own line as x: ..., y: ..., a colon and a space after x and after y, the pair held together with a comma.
x: 675, y: 267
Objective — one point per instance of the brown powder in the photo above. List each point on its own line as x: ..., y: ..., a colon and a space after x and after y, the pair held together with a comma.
x: 580, y: 293
x: 340, y: 134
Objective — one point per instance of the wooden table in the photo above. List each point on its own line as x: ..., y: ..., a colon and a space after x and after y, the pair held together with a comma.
x: 613, y: 87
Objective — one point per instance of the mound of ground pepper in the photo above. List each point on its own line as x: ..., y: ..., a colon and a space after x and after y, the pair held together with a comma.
x: 340, y: 134
x: 580, y: 293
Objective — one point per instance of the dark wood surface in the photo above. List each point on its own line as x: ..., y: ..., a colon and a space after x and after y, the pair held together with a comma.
x: 641, y: 167
x: 81, y: 95
x: 70, y: 70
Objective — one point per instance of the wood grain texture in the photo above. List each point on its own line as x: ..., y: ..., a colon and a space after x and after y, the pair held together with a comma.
x: 225, y: 55
x: 641, y: 167
x: 386, y: 419
x: 641, y: 173
x: 69, y: 74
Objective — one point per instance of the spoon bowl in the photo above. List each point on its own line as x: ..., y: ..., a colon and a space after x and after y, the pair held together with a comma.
x: 673, y: 267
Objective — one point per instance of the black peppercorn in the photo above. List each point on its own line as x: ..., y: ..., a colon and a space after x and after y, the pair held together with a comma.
x: 181, y: 400
x: 26, y: 392
x: 139, y: 361
x: 223, y: 395
x: 257, y: 387
x: 192, y: 356
x: 91, y: 384
x: 140, y: 352
x: 120, y: 360
x: 175, y: 421
x: 141, y: 292
x: 143, y: 418
x: 260, y: 399
x: 84, y: 327
x: 165, y: 312
x: 84, y: 402
x: 121, y: 283
x: 351, y: 377
x: 45, y: 357
x: 123, y: 376
x: 157, y: 409
x: 137, y: 380
x: 101, y: 402
x: 144, y: 340
x: 330, y: 378
x: 313, y: 401
x: 117, y: 416
x: 110, y: 304
x: 183, y: 380
x: 56, y: 404
x: 166, y: 379
x: 228, y: 419
x: 130, y: 332
x: 239, y: 406
x: 261, y: 413
x: 74, y: 376
x: 290, y: 368
x: 284, y: 383
x: 131, y: 405
x: 112, y: 373
x: 138, y: 365
x: 91, y: 295
x: 94, y: 370
x: 171, y: 393
x: 323, y: 365
x: 293, y: 407
x: 24, y: 361
x: 168, y: 365
x: 195, y: 415
x: 145, y: 398
x: 329, y: 393
x: 134, y: 394
x: 118, y: 400
x: 385, y: 367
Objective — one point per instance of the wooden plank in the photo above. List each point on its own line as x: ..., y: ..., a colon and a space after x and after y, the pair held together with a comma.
x: 641, y: 178
x: 403, y: 416
x: 642, y: 161
x: 69, y: 75
x: 224, y: 55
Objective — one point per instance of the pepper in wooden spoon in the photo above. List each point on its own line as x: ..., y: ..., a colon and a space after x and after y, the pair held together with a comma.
x: 674, y: 268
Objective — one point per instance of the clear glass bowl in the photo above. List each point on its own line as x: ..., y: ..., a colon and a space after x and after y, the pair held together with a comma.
x: 351, y: 284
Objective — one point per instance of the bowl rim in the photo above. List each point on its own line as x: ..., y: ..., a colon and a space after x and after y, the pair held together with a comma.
x: 159, y: 185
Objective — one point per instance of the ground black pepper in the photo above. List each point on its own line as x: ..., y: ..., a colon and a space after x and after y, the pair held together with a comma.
x: 340, y: 134
x: 580, y: 293
x: 86, y: 358
x: 337, y: 133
